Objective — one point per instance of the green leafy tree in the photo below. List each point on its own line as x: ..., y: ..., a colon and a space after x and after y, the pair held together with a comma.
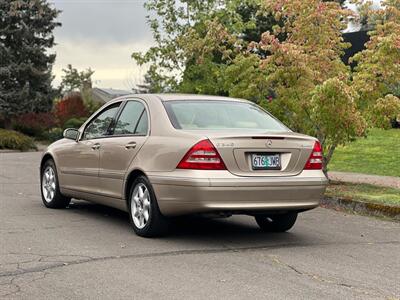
x: 171, y: 21
x: 294, y: 69
x: 313, y: 88
x: 74, y: 81
x: 172, y: 67
x: 377, y: 75
x: 334, y: 114
x: 26, y: 35
x: 386, y: 110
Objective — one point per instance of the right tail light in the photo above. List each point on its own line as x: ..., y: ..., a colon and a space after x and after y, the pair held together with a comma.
x: 314, y: 162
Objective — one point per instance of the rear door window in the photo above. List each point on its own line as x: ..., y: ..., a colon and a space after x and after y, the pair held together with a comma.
x: 132, y: 120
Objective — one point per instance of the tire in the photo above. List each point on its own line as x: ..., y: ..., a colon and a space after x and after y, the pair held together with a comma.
x: 49, y: 187
x: 144, y: 213
x: 276, y: 223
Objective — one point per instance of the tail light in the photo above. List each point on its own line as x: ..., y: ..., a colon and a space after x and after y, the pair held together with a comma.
x: 315, y: 160
x: 202, y: 156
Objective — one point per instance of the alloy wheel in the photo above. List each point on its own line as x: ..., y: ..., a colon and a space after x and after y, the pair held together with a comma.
x: 49, y: 184
x: 140, y: 205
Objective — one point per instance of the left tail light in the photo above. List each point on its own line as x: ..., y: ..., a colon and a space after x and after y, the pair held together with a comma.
x: 202, y: 156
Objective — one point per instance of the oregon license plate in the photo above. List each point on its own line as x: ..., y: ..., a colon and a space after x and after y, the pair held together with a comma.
x: 266, y: 161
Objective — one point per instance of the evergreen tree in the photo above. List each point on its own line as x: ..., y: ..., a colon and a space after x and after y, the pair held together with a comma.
x: 26, y: 35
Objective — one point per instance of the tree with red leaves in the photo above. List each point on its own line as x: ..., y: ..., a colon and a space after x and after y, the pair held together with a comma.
x: 71, y: 106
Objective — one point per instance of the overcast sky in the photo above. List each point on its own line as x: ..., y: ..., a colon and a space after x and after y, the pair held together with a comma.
x: 102, y: 34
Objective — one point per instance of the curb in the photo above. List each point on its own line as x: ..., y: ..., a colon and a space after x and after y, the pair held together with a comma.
x: 4, y: 151
x: 362, y: 208
x: 8, y: 151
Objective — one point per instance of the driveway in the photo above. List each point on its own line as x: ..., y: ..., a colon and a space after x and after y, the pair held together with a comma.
x: 89, y: 252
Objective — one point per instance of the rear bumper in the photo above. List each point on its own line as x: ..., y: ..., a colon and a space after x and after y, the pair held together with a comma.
x: 224, y: 192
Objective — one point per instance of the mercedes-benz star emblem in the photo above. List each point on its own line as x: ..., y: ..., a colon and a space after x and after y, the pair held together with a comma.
x: 268, y: 143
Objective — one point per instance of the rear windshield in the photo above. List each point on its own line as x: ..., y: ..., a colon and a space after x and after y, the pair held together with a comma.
x: 209, y: 114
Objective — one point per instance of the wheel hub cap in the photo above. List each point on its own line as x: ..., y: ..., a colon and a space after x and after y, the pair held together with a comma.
x: 49, y: 184
x: 140, y: 205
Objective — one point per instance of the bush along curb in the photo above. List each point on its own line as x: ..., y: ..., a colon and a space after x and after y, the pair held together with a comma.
x: 362, y: 208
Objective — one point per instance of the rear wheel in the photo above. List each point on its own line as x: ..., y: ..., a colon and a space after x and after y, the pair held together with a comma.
x: 276, y: 223
x: 146, y: 218
x: 51, y: 195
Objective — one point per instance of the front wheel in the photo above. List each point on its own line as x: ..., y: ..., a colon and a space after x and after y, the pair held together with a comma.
x: 276, y: 223
x: 146, y: 218
x: 51, y: 195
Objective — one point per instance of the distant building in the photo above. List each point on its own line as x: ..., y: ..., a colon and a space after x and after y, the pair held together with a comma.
x: 142, y: 88
x: 104, y: 95
x: 357, y: 39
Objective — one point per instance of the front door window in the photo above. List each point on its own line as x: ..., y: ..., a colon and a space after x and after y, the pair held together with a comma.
x: 100, y: 125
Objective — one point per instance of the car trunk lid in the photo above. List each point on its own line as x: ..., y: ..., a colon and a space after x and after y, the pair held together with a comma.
x: 236, y: 150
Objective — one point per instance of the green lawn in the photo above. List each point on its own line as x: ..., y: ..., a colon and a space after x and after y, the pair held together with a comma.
x: 378, y: 154
x: 365, y: 193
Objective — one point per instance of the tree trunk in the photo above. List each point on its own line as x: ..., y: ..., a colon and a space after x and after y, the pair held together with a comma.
x: 327, y: 159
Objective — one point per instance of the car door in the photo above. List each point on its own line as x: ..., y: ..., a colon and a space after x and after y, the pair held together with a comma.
x: 129, y: 133
x: 79, y: 161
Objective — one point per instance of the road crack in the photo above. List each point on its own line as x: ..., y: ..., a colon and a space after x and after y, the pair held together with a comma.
x: 322, y: 279
x: 59, y: 262
x: 89, y: 259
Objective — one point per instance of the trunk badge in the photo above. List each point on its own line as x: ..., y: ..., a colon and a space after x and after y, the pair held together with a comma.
x: 268, y: 143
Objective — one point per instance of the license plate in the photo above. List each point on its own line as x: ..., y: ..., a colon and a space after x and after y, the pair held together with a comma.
x: 266, y: 161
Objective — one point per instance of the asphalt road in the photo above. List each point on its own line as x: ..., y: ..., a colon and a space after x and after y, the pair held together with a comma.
x: 90, y: 252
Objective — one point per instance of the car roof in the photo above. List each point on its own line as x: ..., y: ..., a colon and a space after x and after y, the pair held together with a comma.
x: 180, y: 97
x: 183, y: 97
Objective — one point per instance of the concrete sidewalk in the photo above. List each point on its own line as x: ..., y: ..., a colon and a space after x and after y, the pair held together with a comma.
x: 386, y: 181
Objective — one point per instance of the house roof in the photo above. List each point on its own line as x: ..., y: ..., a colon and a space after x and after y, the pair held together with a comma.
x: 104, y: 95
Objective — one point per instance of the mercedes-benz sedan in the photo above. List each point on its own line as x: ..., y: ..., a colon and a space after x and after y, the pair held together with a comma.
x: 160, y: 156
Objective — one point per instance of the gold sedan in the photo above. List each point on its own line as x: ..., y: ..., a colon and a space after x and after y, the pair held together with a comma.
x: 160, y: 156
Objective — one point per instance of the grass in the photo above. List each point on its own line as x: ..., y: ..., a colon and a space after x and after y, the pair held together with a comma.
x: 377, y: 154
x: 365, y: 193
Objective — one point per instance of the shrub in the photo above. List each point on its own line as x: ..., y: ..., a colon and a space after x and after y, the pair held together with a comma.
x: 69, y: 107
x: 386, y: 111
x: 74, y: 123
x: 54, y: 134
x: 34, y: 124
x: 10, y: 139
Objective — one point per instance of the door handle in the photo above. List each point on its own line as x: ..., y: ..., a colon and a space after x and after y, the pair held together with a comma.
x: 96, y: 146
x: 130, y: 145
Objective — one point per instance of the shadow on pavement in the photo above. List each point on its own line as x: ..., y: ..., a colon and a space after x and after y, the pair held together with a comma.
x: 240, y: 230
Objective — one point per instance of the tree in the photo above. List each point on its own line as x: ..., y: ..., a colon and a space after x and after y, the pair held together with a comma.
x: 74, y: 81
x: 377, y: 75
x: 171, y: 68
x: 71, y: 106
x: 311, y: 83
x: 26, y: 35
x: 294, y: 69
x: 334, y: 114
x: 170, y: 22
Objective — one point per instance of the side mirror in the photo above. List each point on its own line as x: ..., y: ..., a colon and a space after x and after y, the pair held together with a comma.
x: 71, y: 133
